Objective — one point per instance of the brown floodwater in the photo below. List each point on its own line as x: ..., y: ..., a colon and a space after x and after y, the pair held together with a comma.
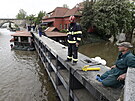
x: 105, y: 50
x: 22, y: 75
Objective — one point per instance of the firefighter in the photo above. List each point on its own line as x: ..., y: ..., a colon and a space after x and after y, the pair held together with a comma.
x: 74, y: 38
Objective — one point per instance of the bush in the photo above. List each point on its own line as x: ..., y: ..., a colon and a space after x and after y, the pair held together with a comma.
x: 44, y: 27
x: 63, y: 31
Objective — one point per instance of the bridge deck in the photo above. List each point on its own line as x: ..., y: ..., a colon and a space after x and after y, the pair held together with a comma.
x: 70, y: 82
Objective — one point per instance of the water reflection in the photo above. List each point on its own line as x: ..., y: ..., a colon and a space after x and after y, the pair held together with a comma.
x: 105, y: 50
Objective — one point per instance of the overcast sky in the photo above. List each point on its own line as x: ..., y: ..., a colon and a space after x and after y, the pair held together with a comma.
x: 10, y: 8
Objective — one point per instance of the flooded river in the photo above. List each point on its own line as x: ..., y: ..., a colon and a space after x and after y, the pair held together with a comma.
x: 106, y: 50
x: 22, y: 76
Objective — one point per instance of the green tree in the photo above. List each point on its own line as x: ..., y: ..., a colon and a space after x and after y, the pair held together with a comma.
x: 21, y: 15
x: 131, y: 26
x: 65, y: 6
x: 112, y: 17
x: 31, y: 19
x: 38, y: 19
x: 87, y: 16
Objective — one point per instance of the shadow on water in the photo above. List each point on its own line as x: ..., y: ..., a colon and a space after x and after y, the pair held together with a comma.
x: 105, y: 50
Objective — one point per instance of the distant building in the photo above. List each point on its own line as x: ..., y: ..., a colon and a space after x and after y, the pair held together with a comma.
x: 59, y: 17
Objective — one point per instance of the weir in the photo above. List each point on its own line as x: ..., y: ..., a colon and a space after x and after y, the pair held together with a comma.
x: 70, y: 82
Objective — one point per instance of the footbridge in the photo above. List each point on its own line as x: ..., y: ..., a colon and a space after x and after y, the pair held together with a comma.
x: 19, y: 22
x: 73, y: 84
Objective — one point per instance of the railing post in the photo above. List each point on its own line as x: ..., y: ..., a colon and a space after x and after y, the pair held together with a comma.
x: 129, y: 92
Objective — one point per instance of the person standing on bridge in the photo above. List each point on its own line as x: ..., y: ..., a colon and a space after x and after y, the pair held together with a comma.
x: 116, y: 76
x: 40, y: 30
x: 73, y: 37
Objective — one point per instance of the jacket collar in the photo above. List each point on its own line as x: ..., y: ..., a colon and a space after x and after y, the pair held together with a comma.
x: 124, y: 55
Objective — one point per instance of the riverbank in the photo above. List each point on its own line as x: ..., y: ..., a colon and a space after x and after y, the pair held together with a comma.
x: 91, y: 38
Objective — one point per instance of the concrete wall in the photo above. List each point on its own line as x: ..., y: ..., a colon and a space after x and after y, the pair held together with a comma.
x: 129, y: 93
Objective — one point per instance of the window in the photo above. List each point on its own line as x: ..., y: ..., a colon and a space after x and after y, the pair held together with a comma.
x: 60, y: 26
x: 65, y: 26
x: 24, y: 39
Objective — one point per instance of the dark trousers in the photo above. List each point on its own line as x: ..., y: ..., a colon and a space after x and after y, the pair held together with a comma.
x: 40, y: 33
x: 110, y: 78
x: 29, y: 28
x: 72, y: 52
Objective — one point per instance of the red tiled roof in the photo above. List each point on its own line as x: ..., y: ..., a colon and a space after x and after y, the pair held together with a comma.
x: 55, y: 34
x: 73, y: 11
x: 22, y: 33
x: 59, y: 12
x: 63, y: 12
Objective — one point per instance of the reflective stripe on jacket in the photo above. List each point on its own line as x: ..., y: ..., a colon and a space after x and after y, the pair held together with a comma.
x: 75, y: 33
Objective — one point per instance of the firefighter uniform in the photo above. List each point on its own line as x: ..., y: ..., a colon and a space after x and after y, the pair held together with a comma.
x: 74, y: 36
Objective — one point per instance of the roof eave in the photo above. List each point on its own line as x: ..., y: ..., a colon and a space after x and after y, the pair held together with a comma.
x: 62, y: 17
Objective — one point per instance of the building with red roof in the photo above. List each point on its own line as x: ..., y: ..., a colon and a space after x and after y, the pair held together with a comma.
x: 59, y: 17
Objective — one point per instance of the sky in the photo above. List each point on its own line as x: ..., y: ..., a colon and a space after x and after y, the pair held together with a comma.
x: 10, y: 8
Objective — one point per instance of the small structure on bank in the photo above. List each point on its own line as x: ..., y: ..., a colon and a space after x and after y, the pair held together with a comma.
x: 54, y: 34
x: 22, y: 40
